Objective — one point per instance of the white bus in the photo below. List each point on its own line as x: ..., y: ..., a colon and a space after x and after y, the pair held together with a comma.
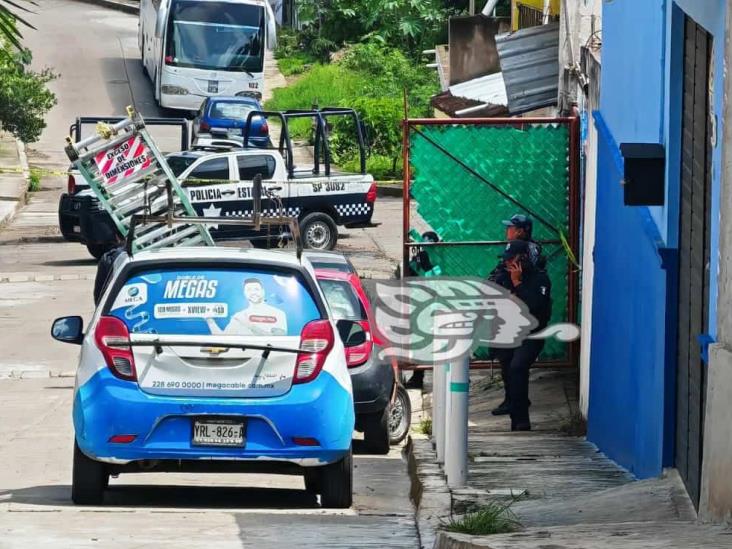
x: 193, y: 49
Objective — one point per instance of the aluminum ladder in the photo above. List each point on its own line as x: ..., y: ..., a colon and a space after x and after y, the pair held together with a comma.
x: 132, y: 180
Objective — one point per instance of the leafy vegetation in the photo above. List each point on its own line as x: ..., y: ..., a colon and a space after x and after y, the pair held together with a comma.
x: 24, y: 97
x: 371, y: 79
x: 9, y: 19
x: 34, y: 181
x: 492, y: 518
x: 425, y: 427
x: 408, y: 25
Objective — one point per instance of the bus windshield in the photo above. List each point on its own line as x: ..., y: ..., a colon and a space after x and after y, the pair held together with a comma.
x: 216, y: 36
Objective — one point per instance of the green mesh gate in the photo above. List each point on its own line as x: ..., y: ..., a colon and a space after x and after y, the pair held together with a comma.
x: 465, y: 176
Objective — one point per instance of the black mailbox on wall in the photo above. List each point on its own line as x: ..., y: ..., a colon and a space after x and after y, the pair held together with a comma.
x: 644, y: 181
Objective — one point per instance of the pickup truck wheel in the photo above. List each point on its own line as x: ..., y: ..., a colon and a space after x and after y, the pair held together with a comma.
x: 319, y: 231
x: 98, y: 250
x: 89, y: 479
x: 376, y: 432
x: 336, y: 489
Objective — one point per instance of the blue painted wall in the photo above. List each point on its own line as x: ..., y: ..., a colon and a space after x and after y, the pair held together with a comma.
x: 633, y: 369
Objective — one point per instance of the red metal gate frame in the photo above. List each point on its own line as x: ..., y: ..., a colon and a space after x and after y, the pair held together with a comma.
x: 574, y: 215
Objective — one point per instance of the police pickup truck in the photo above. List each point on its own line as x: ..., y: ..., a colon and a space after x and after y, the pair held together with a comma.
x: 218, y: 177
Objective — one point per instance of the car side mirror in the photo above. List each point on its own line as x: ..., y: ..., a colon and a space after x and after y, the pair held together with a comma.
x: 351, y: 332
x: 69, y: 329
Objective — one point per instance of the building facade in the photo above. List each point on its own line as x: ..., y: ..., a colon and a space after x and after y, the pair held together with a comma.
x: 655, y: 291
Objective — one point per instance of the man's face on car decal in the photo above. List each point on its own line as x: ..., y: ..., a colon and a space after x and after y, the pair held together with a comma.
x: 254, y: 292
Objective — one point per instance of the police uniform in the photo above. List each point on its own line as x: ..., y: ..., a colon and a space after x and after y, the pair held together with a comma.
x: 535, y: 291
x: 499, y: 275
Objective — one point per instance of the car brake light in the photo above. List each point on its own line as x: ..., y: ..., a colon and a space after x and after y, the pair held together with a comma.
x: 371, y: 195
x: 113, y: 339
x: 306, y: 441
x: 358, y: 355
x: 316, y: 341
x: 71, y: 184
x: 168, y: 59
x: 204, y: 126
x: 264, y: 130
x: 122, y: 439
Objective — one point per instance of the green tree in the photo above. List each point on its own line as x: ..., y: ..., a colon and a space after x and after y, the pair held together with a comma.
x: 410, y: 25
x: 9, y: 19
x: 24, y: 98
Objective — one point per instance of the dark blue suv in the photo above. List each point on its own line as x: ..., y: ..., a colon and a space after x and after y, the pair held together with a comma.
x: 225, y: 117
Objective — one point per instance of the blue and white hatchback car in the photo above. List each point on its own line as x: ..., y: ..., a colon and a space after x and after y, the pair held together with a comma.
x: 212, y: 359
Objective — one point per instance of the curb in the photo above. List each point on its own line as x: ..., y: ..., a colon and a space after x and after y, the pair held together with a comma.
x: 429, y: 492
x: 21, y: 278
x: 23, y: 194
x: 125, y: 7
x: 389, y: 190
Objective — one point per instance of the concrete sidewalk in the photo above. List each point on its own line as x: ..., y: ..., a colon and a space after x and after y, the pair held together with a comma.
x: 14, y: 174
x: 568, y: 495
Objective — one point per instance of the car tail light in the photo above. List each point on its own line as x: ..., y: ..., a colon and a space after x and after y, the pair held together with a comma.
x: 371, y: 195
x: 71, y: 184
x: 204, y: 126
x: 264, y: 129
x: 316, y: 341
x: 168, y: 59
x: 113, y: 340
x: 122, y: 439
x: 356, y: 356
x: 306, y: 441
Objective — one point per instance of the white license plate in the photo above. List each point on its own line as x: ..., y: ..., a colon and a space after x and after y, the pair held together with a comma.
x: 77, y: 229
x: 215, y: 432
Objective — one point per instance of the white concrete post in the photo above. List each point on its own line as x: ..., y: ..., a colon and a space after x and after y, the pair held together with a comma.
x: 446, y: 396
x: 438, y: 410
x: 456, y: 441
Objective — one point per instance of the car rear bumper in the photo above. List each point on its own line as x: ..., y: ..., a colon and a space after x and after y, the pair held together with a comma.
x: 68, y: 219
x: 106, y: 406
x: 372, y: 386
x: 81, y: 220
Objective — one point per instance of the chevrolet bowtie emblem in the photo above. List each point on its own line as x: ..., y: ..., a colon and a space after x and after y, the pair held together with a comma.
x: 214, y: 350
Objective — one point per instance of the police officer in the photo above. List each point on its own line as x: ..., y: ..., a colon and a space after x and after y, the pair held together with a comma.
x: 532, y: 286
x: 519, y: 227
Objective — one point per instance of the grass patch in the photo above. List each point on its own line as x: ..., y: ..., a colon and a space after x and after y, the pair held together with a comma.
x: 424, y: 427
x: 323, y: 85
x: 296, y: 63
x: 34, y: 181
x: 381, y: 167
x: 492, y: 518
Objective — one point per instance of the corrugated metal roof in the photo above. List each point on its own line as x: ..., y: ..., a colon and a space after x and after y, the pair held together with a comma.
x: 488, y: 89
x: 530, y: 64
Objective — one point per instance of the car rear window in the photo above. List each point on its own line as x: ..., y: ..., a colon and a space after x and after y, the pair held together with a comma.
x: 342, y: 300
x: 331, y: 265
x: 207, y: 301
x: 231, y: 111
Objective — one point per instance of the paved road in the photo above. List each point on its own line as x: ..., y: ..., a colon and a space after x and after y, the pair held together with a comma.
x: 42, y: 277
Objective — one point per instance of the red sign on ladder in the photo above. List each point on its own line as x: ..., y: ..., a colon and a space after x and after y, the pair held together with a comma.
x: 124, y: 160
